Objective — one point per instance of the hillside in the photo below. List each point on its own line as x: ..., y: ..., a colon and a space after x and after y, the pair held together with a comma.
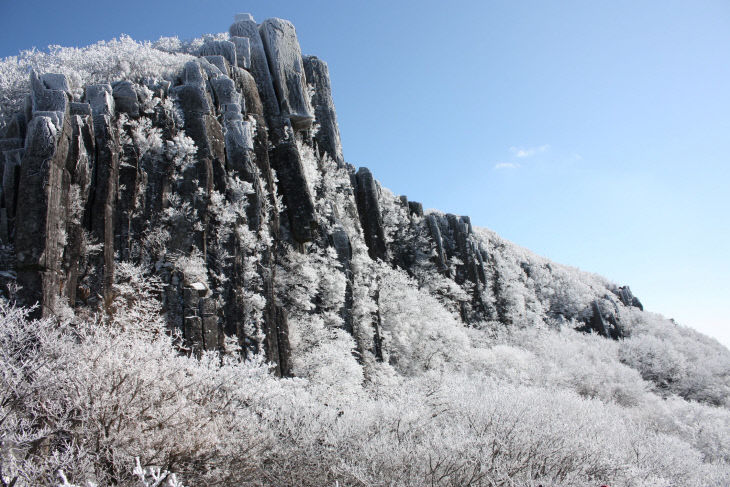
x: 197, y: 283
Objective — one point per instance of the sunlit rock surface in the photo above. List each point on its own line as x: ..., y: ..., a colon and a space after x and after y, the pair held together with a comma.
x: 213, y: 178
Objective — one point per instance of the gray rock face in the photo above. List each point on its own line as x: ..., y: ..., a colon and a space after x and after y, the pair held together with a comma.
x: 83, y: 109
x: 105, y: 183
x: 259, y: 64
x: 240, y: 162
x: 41, y: 139
x: 627, y: 297
x: 225, y: 92
x: 193, y: 74
x: 100, y: 98
x: 227, y: 49
x: 10, y: 177
x: 16, y: 128
x: 255, y: 112
x: 48, y: 100
x: 205, y: 130
x: 453, y: 242
x: 243, y: 51
x: 220, y: 63
x: 10, y: 144
x: 54, y: 81
x: 282, y: 155
x: 200, y: 328
x: 125, y: 98
x: 343, y: 247
x: 287, y: 70
x: 79, y: 167
x: 286, y: 161
x: 243, y: 17
x: 367, y: 195
x: 435, y: 228
x: 39, y: 236
x: 415, y: 208
x: 604, y: 321
x: 328, y: 136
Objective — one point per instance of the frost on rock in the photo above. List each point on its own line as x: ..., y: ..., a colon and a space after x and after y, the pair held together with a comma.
x: 328, y: 133
x: 125, y: 98
x: 244, y: 17
x: 287, y: 69
x: 259, y: 69
x: 243, y: 51
x: 100, y: 98
x: 220, y: 63
x: 56, y: 81
x: 227, y: 49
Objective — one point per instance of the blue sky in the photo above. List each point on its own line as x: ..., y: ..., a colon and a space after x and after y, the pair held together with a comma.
x: 593, y: 133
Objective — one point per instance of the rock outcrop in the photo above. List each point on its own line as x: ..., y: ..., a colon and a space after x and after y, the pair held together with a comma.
x: 327, y: 137
x: 287, y: 70
x: 627, y: 297
x: 186, y: 177
x: 367, y: 195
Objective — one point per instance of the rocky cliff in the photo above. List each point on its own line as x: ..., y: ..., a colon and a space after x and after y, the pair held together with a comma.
x: 210, y: 180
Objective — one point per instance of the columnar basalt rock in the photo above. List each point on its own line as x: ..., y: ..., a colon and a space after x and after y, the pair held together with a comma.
x: 453, y: 241
x: 246, y: 85
x: 46, y: 99
x: 227, y: 49
x: 101, y: 171
x: 238, y: 159
x: 101, y: 207
x: 287, y: 71
x: 125, y: 98
x: 203, y: 127
x: 286, y: 161
x: 435, y: 229
x: 282, y: 54
x: 343, y: 247
x: 80, y: 168
x: 43, y: 189
x: 415, y: 208
x: 328, y: 133
x: 246, y: 27
x: 220, y: 64
x: 367, y: 195
x: 11, y: 175
x: 243, y: 51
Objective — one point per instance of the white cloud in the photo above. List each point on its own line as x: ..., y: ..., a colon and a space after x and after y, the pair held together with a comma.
x: 506, y: 165
x: 528, y: 152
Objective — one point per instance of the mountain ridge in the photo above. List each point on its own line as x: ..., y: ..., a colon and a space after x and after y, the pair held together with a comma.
x: 212, y: 290
x: 247, y: 105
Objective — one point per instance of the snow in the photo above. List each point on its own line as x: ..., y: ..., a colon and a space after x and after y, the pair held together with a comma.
x: 243, y: 17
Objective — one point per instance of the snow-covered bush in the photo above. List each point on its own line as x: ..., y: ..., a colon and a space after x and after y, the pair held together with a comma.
x: 418, y: 333
x: 88, y: 399
x: 530, y: 288
x: 676, y: 359
x: 566, y: 359
x: 312, y: 288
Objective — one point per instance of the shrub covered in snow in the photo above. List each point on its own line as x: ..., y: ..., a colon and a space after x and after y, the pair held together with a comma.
x: 89, y: 398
